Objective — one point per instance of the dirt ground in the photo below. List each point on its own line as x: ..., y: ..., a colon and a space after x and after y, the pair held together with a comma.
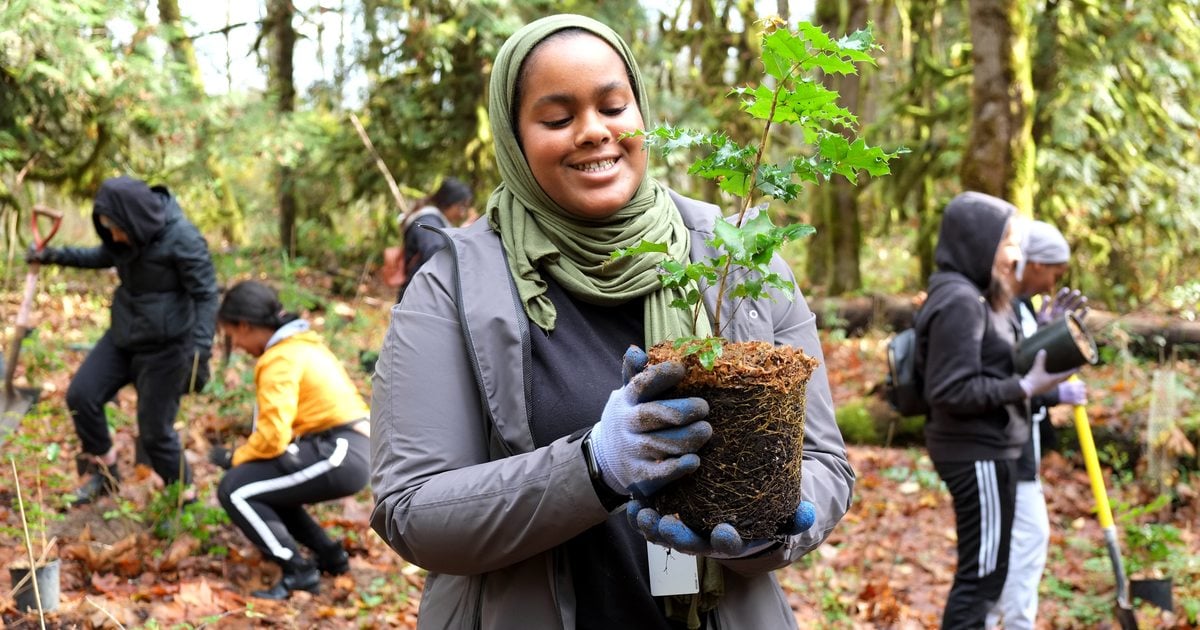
x: 125, y: 563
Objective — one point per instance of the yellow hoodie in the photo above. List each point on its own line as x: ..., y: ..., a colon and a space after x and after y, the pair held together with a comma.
x: 301, y: 388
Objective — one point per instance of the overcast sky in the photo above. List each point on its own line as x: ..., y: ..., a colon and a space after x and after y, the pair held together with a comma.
x: 206, y: 16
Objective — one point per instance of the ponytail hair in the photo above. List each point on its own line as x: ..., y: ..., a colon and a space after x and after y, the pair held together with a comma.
x: 256, y: 304
x: 452, y: 191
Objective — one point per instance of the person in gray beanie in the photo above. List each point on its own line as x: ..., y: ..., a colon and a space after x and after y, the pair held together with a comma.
x: 1046, y: 255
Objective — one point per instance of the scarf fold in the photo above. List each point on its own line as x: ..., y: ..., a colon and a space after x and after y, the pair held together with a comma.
x: 539, y: 236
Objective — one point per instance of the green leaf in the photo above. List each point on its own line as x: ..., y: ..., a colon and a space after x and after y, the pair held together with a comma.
x: 856, y: 46
x: 707, y: 350
x: 795, y: 231
x: 785, y: 49
x: 751, y: 288
x: 815, y: 36
x: 673, y: 274
x: 644, y: 247
x: 831, y: 64
x: 731, y: 238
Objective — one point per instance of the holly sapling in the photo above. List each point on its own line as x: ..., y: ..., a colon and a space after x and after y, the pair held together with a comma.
x: 790, y: 94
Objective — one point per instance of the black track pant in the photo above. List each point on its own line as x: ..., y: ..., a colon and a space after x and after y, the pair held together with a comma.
x: 985, y: 496
x: 158, y: 376
x: 265, y: 498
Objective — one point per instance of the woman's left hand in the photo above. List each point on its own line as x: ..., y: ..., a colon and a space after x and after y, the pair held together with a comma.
x: 723, y: 543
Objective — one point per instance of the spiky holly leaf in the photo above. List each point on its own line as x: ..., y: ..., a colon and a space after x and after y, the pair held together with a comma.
x: 644, y: 247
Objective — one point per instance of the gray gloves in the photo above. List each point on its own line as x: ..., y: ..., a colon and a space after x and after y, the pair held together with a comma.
x: 1066, y: 301
x: 1038, y: 380
x: 642, y: 442
x: 723, y: 543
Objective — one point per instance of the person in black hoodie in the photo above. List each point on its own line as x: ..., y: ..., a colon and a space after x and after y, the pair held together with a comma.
x: 979, y: 407
x: 161, y: 330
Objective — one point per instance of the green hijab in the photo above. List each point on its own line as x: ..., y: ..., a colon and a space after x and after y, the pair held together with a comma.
x: 540, y: 237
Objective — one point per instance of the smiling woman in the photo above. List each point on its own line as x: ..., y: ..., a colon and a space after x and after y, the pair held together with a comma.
x: 578, y: 103
x: 513, y: 412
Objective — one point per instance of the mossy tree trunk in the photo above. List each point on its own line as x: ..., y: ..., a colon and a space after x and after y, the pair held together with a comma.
x: 229, y: 212
x: 999, y: 158
x: 283, y: 88
x: 834, y: 254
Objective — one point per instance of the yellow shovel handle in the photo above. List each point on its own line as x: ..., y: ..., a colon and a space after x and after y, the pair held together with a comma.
x: 1088, y: 446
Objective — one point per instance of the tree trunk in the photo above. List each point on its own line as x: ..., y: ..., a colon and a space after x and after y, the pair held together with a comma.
x: 283, y: 42
x: 926, y: 23
x: 847, y: 237
x: 827, y: 16
x: 999, y: 157
x: 834, y: 253
x: 230, y: 217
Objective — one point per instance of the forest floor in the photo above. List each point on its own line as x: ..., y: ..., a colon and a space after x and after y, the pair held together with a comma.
x: 130, y: 561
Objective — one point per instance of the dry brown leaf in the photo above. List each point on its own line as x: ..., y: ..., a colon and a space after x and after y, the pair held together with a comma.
x: 181, y: 549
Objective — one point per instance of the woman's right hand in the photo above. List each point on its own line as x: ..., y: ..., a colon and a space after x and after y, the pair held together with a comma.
x: 642, y: 442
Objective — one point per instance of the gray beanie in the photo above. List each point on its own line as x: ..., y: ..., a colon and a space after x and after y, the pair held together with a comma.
x: 1045, y: 244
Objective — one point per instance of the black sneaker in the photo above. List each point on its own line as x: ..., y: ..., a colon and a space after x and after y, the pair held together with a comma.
x: 104, y: 481
x: 297, y: 576
x: 334, y: 562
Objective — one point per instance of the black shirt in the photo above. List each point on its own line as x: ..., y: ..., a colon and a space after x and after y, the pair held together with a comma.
x: 575, y: 368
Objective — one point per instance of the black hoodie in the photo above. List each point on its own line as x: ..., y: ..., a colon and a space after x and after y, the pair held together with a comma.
x: 168, y: 292
x: 977, y: 406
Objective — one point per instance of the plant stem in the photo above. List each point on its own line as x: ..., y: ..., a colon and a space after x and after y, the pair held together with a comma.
x: 28, y: 545
x: 758, y: 157
x: 37, y: 480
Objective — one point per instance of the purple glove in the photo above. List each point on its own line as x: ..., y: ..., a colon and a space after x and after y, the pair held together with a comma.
x: 1038, y: 380
x: 723, y: 543
x: 643, y: 443
x: 1072, y: 392
x: 1066, y: 301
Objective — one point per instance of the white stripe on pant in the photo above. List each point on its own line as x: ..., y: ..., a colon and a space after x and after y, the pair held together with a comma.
x: 240, y: 496
x: 984, y: 492
x: 989, y: 516
x: 1018, y: 603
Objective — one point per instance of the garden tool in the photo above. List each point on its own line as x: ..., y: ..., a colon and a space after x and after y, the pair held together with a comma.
x: 1125, y: 616
x: 18, y: 400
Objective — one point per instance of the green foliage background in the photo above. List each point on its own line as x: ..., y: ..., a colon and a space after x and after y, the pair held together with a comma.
x: 1118, y: 157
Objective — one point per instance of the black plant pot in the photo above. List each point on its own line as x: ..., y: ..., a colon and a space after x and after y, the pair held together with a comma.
x: 1067, y: 343
x: 24, y: 597
x: 1155, y: 591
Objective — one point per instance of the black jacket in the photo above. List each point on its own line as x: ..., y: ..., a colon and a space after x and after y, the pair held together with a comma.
x: 168, y: 291
x: 977, y: 407
x: 420, y: 244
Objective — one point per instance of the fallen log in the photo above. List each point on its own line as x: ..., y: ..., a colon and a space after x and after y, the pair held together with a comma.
x: 1144, y: 333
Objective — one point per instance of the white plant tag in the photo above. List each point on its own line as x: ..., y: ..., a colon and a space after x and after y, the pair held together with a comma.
x: 672, y: 572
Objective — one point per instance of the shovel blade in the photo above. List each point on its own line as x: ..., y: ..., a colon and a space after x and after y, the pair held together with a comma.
x: 1126, y: 618
x: 14, y: 406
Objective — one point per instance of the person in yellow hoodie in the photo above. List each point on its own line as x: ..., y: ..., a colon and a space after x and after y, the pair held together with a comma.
x: 310, y: 441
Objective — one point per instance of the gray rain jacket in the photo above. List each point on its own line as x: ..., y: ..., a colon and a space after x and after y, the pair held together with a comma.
x: 460, y: 489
